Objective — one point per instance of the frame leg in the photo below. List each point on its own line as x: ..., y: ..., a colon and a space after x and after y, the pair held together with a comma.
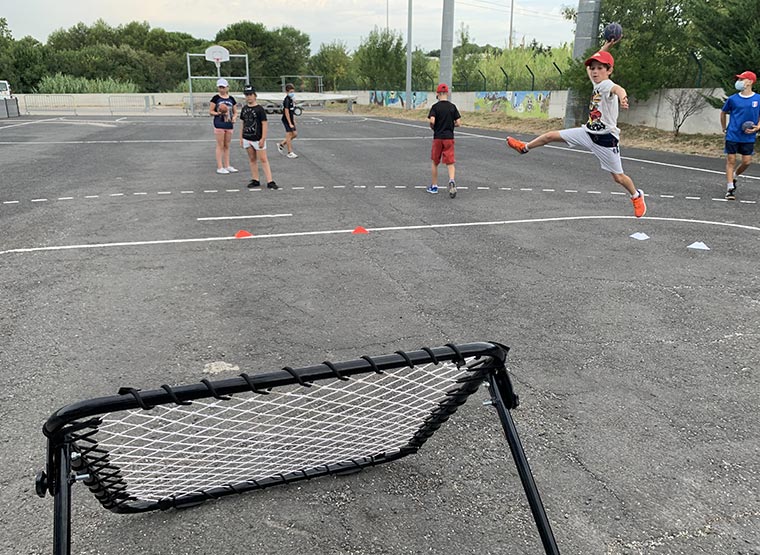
x: 62, y: 501
x: 523, y: 468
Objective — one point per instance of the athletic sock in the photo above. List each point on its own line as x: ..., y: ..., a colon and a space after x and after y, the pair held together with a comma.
x: 729, y: 186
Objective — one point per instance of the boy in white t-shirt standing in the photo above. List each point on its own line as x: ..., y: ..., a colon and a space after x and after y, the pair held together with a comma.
x: 600, y: 134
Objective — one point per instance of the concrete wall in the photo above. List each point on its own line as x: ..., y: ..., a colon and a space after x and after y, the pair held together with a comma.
x: 655, y: 112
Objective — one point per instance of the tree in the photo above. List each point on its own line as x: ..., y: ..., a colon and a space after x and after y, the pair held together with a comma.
x: 332, y: 61
x: 29, y: 66
x: 423, y: 71
x: 727, y: 34
x: 655, y: 51
x: 380, y: 60
x: 466, y: 58
x: 684, y: 103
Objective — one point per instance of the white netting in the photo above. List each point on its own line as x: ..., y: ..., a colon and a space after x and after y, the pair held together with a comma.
x: 172, y: 450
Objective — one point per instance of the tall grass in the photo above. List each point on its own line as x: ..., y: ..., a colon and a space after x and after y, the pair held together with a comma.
x: 68, y: 84
x: 514, y: 63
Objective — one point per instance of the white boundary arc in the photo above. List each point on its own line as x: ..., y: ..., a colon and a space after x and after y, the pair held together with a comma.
x: 369, y: 229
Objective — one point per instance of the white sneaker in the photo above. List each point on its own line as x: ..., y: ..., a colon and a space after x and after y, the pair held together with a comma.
x: 292, y: 155
x: 222, y: 170
x: 230, y: 169
x: 280, y: 149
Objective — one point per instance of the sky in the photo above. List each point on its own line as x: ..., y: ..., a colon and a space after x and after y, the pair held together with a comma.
x: 323, y: 20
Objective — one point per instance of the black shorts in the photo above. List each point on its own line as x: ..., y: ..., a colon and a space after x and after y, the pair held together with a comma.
x: 287, y: 127
x: 745, y: 149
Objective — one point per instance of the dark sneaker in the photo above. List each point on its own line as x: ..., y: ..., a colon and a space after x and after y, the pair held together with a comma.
x: 731, y: 194
x: 452, y: 189
x: 519, y: 146
x: 254, y: 183
x: 272, y: 185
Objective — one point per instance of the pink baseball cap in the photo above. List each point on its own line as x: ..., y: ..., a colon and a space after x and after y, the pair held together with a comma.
x: 602, y: 57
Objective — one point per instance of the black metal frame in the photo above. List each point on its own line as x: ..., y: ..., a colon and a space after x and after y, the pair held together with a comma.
x: 78, y: 423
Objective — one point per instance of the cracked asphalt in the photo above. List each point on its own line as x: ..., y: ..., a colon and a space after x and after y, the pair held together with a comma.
x: 637, y: 362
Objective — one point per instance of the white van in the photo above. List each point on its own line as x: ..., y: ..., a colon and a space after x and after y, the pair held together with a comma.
x: 5, y: 89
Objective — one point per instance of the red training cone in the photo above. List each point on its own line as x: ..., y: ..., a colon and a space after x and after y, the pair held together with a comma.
x: 359, y: 230
x: 243, y: 234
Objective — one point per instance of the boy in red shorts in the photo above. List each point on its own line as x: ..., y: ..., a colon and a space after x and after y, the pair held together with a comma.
x: 443, y: 118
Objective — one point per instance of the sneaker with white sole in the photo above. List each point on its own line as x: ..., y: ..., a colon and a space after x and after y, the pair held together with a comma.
x: 292, y: 155
x: 432, y: 189
x: 231, y: 169
x: 280, y: 149
x: 452, y: 189
x: 222, y: 170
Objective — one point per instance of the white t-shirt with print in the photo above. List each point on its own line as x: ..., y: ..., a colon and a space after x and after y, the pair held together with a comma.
x: 603, y: 110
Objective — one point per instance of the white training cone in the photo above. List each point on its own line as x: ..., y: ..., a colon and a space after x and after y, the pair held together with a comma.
x: 639, y: 236
x: 699, y: 245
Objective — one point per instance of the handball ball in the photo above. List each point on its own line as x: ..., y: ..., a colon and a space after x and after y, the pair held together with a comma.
x: 613, y: 31
x: 222, y: 109
x: 747, y: 125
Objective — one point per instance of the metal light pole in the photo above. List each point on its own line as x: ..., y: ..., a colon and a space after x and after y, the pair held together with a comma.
x: 386, y: 15
x: 447, y: 43
x: 511, y: 17
x: 586, y: 36
x: 409, y: 58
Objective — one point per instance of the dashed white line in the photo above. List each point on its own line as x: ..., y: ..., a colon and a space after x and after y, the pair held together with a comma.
x: 232, y: 190
x: 217, y: 218
x: 526, y: 189
x: 116, y: 195
x: 39, y: 200
x: 594, y: 192
x: 694, y: 198
x: 164, y: 193
x: 298, y: 188
x: 357, y: 187
x: 667, y: 196
x: 138, y: 194
x: 571, y: 191
x: 211, y: 191
x: 748, y: 201
x: 92, y: 196
x: 319, y: 186
x: 379, y: 186
x: 10, y: 202
x: 65, y: 198
x: 339, y: 186
x: 399, y: 186
x: 548, y: 190
x: 484, y: 188
x: 187, y: 192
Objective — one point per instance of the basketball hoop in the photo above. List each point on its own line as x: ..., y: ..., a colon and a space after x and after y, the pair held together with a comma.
x: 217, y: 54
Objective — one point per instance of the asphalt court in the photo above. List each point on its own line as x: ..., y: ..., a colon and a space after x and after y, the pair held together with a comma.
x: 636, y: 360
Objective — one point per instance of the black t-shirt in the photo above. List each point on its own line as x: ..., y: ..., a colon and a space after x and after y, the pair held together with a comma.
x: 252, y: 116
x: 445, y: 114
x: 224, y: 121
x: 289, y: 105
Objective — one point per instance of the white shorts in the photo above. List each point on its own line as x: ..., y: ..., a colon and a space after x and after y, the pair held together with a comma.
x: 254, y: 144
x: 609, y: 157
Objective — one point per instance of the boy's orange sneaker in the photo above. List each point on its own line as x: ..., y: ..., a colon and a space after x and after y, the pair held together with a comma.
x: 519, y: 146
x: 639, y: 205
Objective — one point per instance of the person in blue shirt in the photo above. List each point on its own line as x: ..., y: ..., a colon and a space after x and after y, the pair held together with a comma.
x: 743, y: 111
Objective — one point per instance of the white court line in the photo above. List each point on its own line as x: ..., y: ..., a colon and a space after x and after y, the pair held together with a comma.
x: 211, y: 219
x: 26, y: 123
x: 568, y: 149
x: 370, y: 229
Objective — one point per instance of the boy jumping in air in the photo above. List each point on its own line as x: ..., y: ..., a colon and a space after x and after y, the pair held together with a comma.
x: 600, y: 134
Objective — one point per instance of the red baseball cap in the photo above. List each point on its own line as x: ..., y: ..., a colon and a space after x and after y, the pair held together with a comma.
x: 602, y: 57
x: 748, y: 75
x: 442, y: 88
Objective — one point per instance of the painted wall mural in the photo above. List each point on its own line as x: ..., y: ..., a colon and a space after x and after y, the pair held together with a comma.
x: 398, y: 98
x: 521, y: 104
